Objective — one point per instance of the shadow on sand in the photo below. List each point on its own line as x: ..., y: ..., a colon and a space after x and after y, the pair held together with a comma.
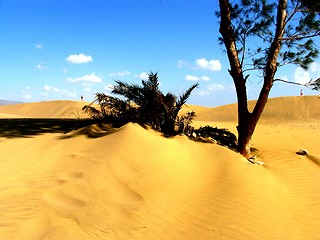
x: 29, y: 127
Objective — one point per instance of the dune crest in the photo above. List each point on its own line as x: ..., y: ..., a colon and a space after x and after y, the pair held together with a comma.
x: 281, y: 109
x: 46, y: 109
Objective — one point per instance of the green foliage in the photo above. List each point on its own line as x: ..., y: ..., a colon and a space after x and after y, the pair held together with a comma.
x: 315, y: 85
x: 311, y: 5
x: 220, y: 136
x: 144, y: 104
x: 260, y: 36
x: 112, y: 110
x: 183, y: 122
x: 254, y: 24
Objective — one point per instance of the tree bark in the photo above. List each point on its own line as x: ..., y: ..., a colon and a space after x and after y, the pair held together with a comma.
x: 244, y: 135
x: 247, y: 121
x: 245, y: 131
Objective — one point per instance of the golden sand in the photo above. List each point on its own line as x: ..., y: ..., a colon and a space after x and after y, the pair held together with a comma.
x: 132, y: 183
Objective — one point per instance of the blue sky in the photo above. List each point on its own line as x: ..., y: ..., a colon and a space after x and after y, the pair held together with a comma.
x: 62, y: 49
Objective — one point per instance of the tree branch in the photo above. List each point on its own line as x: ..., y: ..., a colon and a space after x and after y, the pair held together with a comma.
x: 312, y: 84
x: 290, y: 82
x: 271, y: 64
x: 227, y: 32
x: 299, y: 37
x: 291, y: 15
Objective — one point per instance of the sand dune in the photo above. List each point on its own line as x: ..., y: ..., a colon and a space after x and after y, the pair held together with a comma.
x: 47, y: 109
x: 282, y: 109
x: 132, y: 183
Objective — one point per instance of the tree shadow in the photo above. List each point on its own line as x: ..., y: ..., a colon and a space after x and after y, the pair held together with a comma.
x: 29, y: 127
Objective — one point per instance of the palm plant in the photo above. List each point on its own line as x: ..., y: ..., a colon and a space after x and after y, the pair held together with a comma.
x: 184, y: 123
x: 144, y: 104
x: 112, y: 110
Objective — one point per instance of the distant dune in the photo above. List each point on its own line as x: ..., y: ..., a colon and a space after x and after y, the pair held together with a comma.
x: 7, y: 102
x: 47, y: 109
x: 132, y: 183
x: 282, y: 109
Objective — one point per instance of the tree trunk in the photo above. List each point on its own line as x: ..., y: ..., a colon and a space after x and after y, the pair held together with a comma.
x: 245, y: 132
x: 246, y: 127
x: 247, y: 121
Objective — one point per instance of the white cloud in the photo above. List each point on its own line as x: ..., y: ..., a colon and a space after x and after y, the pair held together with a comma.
x: 211, y: 65
x: 79, y: 58
x: 205, y: 78
x: 215, y: 87
x: 192, y: 78
x: 87, y: 84
x: 27, y: 96
x: 38, y: 45
x: 87, y: 89
x: 41, y: 67
x: 285, y: 78
x: 143, y: 76
x: 44, y: 94
x: 51, y: 88
x: 203, y: 92
x: 211, y: 88
x: 120, y: 74
x: 301, y: 76
x: 315, y: 67
x: 182, y: 63
x: 25, y: 93
x: 87, y: 78
x: 195, y: 78
x: 63, y: 92
x: 68, y: 93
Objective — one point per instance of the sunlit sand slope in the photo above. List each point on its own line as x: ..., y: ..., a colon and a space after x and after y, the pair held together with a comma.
x: 49, y: 109
x: 132, y: 183
x: 282, y: 109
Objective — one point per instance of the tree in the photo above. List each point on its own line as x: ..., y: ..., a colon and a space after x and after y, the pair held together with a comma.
x: 311, y: 5
x: 282, y: 32
x: 144, y: 104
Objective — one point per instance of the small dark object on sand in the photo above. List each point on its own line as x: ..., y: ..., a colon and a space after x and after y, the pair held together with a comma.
x: 302, y: 152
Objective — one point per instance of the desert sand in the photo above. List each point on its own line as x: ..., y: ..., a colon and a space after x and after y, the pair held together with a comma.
x: 131, y: 183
